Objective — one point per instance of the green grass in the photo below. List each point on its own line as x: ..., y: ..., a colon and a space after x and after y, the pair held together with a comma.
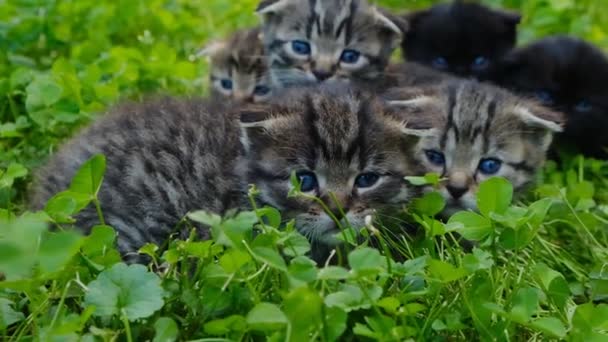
x: 538, y: 271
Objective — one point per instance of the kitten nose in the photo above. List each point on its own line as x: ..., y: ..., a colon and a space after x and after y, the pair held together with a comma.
x: 457, y: 191
x: 322, y: 75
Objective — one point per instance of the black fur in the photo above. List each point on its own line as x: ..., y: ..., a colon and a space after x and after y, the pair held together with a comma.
x: 460, y: 33
x: 569, y: 75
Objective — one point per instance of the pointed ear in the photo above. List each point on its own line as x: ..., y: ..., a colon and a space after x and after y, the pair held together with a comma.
x: 543, y: 121
x: 211, y: 49
x: 268, y: 8
x: 511, y: 18
x: 390, y: 25
x: 418, y: 113
x: 254, y: 121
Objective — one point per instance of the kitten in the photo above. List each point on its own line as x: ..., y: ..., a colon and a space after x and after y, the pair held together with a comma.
x: 481, y: 131
x: 316, y: 40
x: 166, y: 158
x: 466, y: 39
x: 569, y: 75
x: 238, y: 68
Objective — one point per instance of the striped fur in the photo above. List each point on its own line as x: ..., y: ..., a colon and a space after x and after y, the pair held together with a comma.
x: 330, y: 27
x: 239, y: 59
x: 476, y: 122
x: 168, y: 157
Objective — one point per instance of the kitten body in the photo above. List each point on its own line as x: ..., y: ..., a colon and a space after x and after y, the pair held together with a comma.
x: 568, y: 75
x: 167, y: 158
x: 466, y: 39
x: 314, y: 41
x: 482, y: 131
x: 238, y: 67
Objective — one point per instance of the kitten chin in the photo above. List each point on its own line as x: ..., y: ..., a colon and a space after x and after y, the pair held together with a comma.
x: 168, y: 157
x: 481, y: 131
x: 568, y: 75
x: 466, y: 39
x: 238, y: 67
x: 319, y: 41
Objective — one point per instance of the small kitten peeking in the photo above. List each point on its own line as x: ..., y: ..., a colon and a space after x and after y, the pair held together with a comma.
x: 238, y: 68
x: 569, y: 75
x: 312, y: 41
x: 481, y: 131
x: 466, y: 39
x: 168, y: 157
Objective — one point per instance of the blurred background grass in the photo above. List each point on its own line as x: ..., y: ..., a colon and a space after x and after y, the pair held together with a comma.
x: 63, y: 61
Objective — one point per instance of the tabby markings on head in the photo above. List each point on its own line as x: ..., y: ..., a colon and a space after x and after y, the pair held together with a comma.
x: 238, y: 67
x: 316, y: 40
x: 481, y: 131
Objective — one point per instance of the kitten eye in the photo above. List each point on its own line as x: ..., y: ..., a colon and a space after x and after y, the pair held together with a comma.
x: 308, y: 181
x: 480, y: 63
x: 261, y: 90
x: 489, y: 166
x: 226, y: 84
x: 545, y: 97
x: 366, y: 180
x: 440, y: 63
x: 435, y: 157
x: 350, y: 56
x: 300, y: 47
x: 583, y: 106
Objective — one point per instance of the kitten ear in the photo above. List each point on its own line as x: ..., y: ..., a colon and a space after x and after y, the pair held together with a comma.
x: 417, y: 113
x: 254, y: 120
x: 397, y: 25
x: 211, y: 49
x: 512, y: 18
x: 543, y: 120
x: 269, y: 7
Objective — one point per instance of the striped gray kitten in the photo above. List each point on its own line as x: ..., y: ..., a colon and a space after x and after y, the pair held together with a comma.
x: 481, y: 131
x: 166, y: 158
x: 238, y: 68
x: 316, y: 40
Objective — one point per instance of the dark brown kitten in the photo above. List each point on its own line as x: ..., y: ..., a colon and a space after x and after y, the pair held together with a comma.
x: 569, y: 75
x: 466, y: 39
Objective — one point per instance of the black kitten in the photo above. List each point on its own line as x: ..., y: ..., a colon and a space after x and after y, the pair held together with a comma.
x: 461, y: 38
x: 569, y: 75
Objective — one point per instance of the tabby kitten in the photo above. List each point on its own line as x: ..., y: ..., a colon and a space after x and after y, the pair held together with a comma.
x: 569, y: 75
x: 316, y: 40
x: 238, y: 68
x: 481, y: 131
x: 166, y: 158
x: 466, y: 39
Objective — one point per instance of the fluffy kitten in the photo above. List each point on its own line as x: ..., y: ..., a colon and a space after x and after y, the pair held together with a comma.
x: 466, y: 39
x: 316, y: 40
x: 569, y: 75
x: 166, y: 158
x: 238, y: 68
x: 481, y: 131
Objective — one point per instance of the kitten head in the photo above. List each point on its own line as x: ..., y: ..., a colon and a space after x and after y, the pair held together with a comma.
x: 481, y: 131
x: 569, y: 75
x: 345, y: 148
x: 466, y: 39
x: 238, y: 67
x: 316, y: 40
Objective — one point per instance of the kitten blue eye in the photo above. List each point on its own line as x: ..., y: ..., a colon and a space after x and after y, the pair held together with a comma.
x: 435, y: 157
x: 583, y: 106
x: 440, y: 63
x: 489, y: 166
x: 480, y: 63
x: 350, y: 56
x: 365, y: 180
x: 226, y: 84
x: 308, y: 181
x: 261, y: 90
x: 545, y: 97
x: 300, y: 47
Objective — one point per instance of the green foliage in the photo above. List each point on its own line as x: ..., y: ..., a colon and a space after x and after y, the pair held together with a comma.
x: 537, y: 269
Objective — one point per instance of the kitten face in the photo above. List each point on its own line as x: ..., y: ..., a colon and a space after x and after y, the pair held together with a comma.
x: 344, y: 149
x: 482, y: 131
x: 317, y: 40
x: 466, y: 39
x: 238, y: 67
x: 568, y: 75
